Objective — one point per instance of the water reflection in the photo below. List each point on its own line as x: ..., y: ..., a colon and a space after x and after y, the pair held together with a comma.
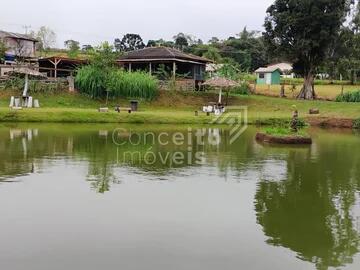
x: 307, y: 198
x: 313, y: 211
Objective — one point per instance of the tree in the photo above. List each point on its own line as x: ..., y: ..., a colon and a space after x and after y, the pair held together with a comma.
x: 86, y: 48
x: 130, y: 42
x: 46, y: 38
x: 151, y: 43
x: 103, y: 57
x: 181, y: 41
x: 73, y: 46
x: 302, y: 30
x: 3, y: 50
x: 213, y: 54
x: 214, y: 40
x: 247, y: 49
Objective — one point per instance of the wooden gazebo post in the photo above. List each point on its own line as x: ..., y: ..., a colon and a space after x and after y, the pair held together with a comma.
x: 174, y: 70
x: 55, y: 63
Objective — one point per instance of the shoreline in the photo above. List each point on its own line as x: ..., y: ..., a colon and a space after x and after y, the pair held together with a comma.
x: 91, y: 116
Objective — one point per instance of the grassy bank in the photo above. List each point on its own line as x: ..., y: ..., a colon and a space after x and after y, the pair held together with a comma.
x: 169, y: 108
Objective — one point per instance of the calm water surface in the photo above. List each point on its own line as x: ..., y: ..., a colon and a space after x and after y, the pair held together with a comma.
x: 71, y: 198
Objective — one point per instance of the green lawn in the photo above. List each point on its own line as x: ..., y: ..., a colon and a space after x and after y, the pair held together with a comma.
x: 169, y: 108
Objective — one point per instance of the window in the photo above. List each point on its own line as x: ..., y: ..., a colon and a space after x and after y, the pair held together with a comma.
x: 262, y: 76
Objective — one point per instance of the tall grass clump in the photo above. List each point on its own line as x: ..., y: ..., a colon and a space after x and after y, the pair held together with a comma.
x: 132, y: 85
x: 91, y: 80
x: 349, y: 97
x: 101, y: 78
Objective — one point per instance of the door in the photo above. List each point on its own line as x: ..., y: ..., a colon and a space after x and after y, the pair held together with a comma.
x: 268, y: 78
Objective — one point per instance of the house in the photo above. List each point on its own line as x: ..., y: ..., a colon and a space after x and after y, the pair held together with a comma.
x: 268, y: 75
x: 18, y: 45
x: 286, y: 69
x: 171, y: 63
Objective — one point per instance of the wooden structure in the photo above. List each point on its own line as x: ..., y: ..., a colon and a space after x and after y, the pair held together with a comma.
x: 175, y: 62
x: 59, y: 66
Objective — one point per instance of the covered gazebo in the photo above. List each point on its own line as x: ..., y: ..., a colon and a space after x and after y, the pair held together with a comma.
x: 187, y: 66
x: 221, y: 84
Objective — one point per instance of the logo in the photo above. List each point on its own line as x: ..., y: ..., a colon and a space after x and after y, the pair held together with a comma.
x: 237, y: 118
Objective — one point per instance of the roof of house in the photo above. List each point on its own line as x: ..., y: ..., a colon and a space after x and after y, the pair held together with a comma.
x: 161, y: 53
x: 284, y: 66
x: 270, y: 69
x: 64, y: 59
x: 17, y: 36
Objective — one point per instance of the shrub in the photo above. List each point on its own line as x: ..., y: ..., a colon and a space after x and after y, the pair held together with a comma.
x: 349, y: 97
x: 283, y: 132
x: 242, y: 89
x: 356, y: 124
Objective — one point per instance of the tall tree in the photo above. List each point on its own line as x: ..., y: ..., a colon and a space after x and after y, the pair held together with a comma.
x: 86, y: 47
x: 46, y: 38
x: 73, y: 46
x: 181, y: 41
x: 130, y: 42
x: 302, y: 30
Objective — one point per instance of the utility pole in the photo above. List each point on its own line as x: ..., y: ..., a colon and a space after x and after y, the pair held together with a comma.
x: 26, y: 27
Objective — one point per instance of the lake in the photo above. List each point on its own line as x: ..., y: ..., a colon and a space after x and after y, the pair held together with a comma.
x: 172, y: 197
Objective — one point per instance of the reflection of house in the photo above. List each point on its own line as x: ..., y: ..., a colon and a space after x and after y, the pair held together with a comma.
x: 18, y: 45
x: 175, y: 62
x: 57, y: 66
x: 268, y: 75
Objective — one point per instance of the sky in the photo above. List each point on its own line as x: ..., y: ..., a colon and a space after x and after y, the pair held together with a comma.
x: 95, y: 21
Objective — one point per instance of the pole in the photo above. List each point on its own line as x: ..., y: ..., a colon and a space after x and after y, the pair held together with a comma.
x: 220, y: 96
x: 174, y: 70
x: 26, y: 87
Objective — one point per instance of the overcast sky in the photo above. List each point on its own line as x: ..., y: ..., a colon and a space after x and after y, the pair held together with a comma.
x: 93, y: 21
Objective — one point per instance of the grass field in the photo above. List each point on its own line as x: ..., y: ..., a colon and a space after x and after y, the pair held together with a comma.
x: 327, y: 92
x: 169, y: 108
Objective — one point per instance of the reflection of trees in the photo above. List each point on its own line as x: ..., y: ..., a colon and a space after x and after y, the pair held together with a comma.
x: 19, y: 153
x: 311, y: 211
